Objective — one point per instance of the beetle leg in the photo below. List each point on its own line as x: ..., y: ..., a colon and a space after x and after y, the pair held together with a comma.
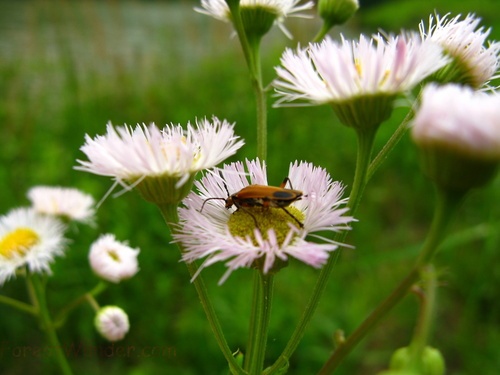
x: 285, y: 180
x: 248, y: 212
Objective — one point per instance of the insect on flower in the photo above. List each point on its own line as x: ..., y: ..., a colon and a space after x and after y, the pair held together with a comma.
x: 262, y: 196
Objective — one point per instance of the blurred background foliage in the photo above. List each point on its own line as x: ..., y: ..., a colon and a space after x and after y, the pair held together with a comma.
x: 69, y: 67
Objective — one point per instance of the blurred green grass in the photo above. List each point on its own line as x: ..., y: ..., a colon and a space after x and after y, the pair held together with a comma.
x: 66, y: 68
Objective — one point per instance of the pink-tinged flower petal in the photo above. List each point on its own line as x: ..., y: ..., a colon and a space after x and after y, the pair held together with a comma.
x: 459, y: 118
x: 331, y: 72
x: 204, y: 234
x: 112, y: 260
x: 67, y: 202
x: 465, y: 42
x: 127, y: 153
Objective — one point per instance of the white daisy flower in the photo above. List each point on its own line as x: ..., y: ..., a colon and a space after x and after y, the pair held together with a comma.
x: 473, y: 63
x: 460, y: 119
x: 331, y: 72
x: 457, y: 131
x: 280, y: 9
x: 112, y: 260
x: 231, y: 236
x: 69, y: 203
x: 112, y: 323
x: 29, y: 239
x: 170, y: 156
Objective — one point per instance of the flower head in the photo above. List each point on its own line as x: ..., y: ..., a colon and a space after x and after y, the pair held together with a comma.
x: 113, y: 260
x: 472, y: 63
x: 66, y: 202
x: 458, y: 132
x: 28, y: 239
x: 112, y: 323
x: 230, y: 235
x: 160, y: 161
x: 278, y: 9
x: 362, y: 77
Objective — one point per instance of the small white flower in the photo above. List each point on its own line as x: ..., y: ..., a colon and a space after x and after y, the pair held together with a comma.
x: 113, y: 260
x: 461, y: 119
x: 207, y: 234
x: 333, y: 72
x: 281, y: 8
x: 465, y: 43
x: 112, y: 323
x: 128, y: 154
x: 28, y: 239
x: 67, y: 202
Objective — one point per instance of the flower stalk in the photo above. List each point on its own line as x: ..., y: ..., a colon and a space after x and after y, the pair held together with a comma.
x: 259, y: 322
x: 427, y: 301
x: 446, y: 205
x: 21, y: 306
x: 171, y: 217
x: 365, y: 138
x: 46, y: 323
x: 250, y: 45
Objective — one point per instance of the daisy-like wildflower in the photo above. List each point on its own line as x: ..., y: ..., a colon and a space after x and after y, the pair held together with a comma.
x: 360, y: 79
x: 458, y: 132
x: 112, y: 323
x: 229, y: 235
x: 159, y: 161
x: 473, y: 63
x: 112, y: 260
x: 278, y: 10
x: 28, y: 239
x: 69, y: 203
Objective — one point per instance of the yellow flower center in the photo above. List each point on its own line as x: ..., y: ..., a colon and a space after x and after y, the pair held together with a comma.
x: 114, y: 255
x: 18, y: 242
x: 242, y: 222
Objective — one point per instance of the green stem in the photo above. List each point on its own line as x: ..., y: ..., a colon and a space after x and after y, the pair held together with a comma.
x: 261, y: 102
x: 365, y: 145
x: 63, y: 314
x: 171, y: 217
x: 251, y: 51
x: 21, y: 306
x: 447, y: 202
x: 389, y: 146
x: 252, y: 327
x: 427, y: 299
x: 259, y: 323
x: 234, y: 7
x: 48, y: 327
x: 322, y: 32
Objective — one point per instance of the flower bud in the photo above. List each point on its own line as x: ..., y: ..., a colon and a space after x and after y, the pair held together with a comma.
x: 336, y: 12
x: 458, y: 133
x: 112, y: 323
x: 112, y: 260
x: 431, y: 362
x: 257, y: 20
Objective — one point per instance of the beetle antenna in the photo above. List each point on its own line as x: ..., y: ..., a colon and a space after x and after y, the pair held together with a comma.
x: 225, y: 187
x: 209, y: 199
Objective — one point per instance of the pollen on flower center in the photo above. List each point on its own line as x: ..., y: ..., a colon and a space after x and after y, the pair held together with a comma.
x: 359, y: 67
x: 114, y: 255
x: 242, y: 222
x: 18, y: 242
